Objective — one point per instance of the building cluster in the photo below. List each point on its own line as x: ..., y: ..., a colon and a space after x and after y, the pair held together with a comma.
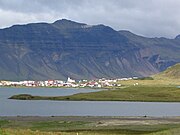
x: 99, y: 83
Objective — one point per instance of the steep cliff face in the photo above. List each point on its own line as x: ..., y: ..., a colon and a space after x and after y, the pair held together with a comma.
x: 66, y: 48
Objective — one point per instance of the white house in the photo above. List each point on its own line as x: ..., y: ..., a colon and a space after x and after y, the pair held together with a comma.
x: 69, y: 80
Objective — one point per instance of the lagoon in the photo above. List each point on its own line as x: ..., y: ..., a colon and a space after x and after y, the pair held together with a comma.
x: 9, y: 107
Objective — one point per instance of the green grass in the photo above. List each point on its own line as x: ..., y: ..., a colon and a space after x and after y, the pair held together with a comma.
x: 145, y: 78
x: 132, y: 93
x: 171, y: 73
x: 3, y: 122
x: 84, y: 127
x: 116, y: 130
x: 81, y: 127
x: 174, y: 131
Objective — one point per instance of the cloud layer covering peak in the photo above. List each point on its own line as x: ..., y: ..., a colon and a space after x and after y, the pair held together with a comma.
x: 151, y: 18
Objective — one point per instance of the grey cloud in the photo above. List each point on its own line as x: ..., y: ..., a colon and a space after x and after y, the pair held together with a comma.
x: 145, y: 17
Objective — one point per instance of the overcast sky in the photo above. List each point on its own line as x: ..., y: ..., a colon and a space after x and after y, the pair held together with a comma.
x: 151, y: 18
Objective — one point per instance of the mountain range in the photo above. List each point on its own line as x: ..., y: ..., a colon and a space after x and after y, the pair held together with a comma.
x: 41, y: 51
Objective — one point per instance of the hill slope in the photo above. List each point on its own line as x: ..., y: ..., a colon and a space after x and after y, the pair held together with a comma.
x: 65, y: 48
x: 171, y: 73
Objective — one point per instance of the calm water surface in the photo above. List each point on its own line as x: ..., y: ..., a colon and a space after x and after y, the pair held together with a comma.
x: 78, y: 108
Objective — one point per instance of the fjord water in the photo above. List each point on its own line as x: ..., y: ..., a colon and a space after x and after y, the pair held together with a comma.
x: 9, y: 107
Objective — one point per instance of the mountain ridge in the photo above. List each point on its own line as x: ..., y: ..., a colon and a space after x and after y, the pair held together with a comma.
x: 65, y: 21
x: 65, y: 48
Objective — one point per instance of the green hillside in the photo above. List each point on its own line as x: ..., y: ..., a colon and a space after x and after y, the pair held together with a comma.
x: 171, y: 73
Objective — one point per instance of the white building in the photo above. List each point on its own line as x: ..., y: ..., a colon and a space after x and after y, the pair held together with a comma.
x: 69, y: 80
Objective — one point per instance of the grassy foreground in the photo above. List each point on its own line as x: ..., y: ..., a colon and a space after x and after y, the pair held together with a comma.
x: 175, y: 131
x: 91, y: 126
x: 130, y: 93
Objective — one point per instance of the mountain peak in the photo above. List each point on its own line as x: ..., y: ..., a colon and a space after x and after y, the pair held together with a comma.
x: 65, y: 24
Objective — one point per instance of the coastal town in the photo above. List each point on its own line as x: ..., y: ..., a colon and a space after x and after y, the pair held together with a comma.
x: 98, y: 83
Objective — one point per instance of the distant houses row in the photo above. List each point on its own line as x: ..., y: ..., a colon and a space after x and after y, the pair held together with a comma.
x: 99, y: 83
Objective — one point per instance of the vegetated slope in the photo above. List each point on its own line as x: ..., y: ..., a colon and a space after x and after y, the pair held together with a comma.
x: 172, y: 72
x: 65, y: 48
